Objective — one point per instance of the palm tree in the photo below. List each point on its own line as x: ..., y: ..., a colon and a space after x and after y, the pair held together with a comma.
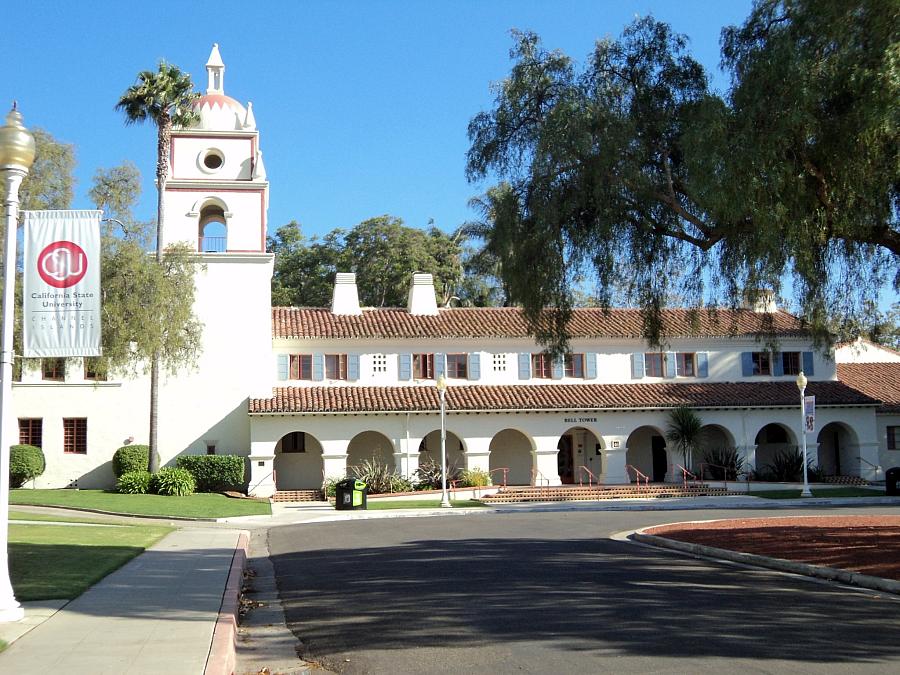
x: 684, y: 431
x: 164, y: 98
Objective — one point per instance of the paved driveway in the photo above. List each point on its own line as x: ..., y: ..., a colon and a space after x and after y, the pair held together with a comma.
x: 551, y: 593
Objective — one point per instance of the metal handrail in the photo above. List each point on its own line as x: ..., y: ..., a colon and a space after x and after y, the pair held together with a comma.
x: 725, y: 471
x: 590, y: 475
x: 504, y: 469
x: 877, y: 467
x: 534, y: 479
x: 684, y: 474
x: 638, y: 474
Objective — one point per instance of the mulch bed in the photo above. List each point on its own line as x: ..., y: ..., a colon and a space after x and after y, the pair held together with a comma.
x: 866, y: 544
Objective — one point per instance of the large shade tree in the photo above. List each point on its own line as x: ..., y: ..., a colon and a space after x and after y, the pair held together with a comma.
x: 163, y: 98
x: 632, y: 168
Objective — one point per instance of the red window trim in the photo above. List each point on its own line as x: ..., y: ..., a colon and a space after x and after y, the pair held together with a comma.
x: 541, y: 366
x: 300, y: 367
x: 457, y: 366
x: 75, y: 435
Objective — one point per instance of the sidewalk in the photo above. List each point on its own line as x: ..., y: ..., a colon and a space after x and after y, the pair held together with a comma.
x: 156, y: 614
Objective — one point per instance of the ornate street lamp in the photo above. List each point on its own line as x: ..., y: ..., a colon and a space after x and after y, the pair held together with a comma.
x: 801, y: 385
x: 442, y: 390
x: 16, y: 157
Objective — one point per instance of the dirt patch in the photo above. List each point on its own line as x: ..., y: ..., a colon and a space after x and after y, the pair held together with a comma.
x: 866, y: 544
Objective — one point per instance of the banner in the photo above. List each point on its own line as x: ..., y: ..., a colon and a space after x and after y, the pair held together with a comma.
x: 809, y: 413
x: 61, y: 291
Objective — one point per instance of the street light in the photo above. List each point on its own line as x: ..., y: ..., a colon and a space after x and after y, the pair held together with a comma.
x: 801, y: 385
x: 442, y: 390
x: 16, y: 156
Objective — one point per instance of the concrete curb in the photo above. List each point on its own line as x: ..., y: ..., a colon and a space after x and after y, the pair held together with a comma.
x: 779, y: 564
x: 222, y: 657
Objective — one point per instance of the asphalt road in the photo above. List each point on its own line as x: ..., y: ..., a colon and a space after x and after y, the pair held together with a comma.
x: 552, y: 593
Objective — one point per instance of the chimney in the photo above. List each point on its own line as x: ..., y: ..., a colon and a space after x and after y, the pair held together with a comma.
x: 346, y: 298
x: 760, y: 300
x: 421, y: 296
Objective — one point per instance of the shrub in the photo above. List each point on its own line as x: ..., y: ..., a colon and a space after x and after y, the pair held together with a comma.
x: 474, y: 478
x: 214, y: 473
x: 428, y: 475
x: 26, y: 462
x: 172, y: 482
x: 724, y: 464
x: 130, y: 458
x: 786, y: 466
x: 134, y: 482
x: 329, y: 487
x: 379, y: 478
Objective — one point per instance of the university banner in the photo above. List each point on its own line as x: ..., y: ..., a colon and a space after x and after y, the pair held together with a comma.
x: 61, y: 290
x: 809, y: 413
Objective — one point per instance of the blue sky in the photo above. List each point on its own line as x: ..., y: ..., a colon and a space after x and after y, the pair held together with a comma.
x: 362, y: 106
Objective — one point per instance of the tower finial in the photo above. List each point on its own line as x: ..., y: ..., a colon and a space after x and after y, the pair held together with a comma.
x: 215, y: 72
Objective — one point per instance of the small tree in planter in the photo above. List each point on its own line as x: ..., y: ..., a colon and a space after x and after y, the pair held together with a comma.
x: 684, y: 431
x: 26, y: 462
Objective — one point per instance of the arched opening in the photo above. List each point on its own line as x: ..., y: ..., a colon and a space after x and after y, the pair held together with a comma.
x: 716, y: 456
x: 837, y: 450
x: 647, y: 453
x: 511, y: 450
x: 370, y: 446
x: 212, y: 236
x: 770, y: 440
x: 298, y: 462
x: 430, y: 453
x: 580, y: 456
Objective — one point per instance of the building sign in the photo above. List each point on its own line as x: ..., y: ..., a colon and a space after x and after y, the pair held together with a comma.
x: 579, y: 420
x: 809, y: 413
x: 61, y: 291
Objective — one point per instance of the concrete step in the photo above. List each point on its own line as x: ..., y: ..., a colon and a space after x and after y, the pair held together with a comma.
x: 298, y: 496
x: 584, y: 493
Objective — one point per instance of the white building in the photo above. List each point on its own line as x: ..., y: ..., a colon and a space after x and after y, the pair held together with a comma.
x: 307, y: 392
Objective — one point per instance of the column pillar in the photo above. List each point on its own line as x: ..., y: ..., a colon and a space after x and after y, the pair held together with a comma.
x: 545, y: 460
x: 407, y: 458
x: 262, y: 469
x: 478, y: 457
x: 614, y: 472
x: 334, y: 458
x: 748, y: 452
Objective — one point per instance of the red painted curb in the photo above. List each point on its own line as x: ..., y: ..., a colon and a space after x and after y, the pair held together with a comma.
x: 222, y: 656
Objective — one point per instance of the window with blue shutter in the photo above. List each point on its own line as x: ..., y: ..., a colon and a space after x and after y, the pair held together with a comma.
x: 440, y: 365
x: 353, y: 367
x: 670, y: 364
x: 475, y: 366
x: 590, y: 366
x: 318, y: 368
x: 525, y: 366
x: 808, y: 363
x: 702, y: 364
x: 283, y: 365
x: 747, y: 364
x: 777, y: 364
x: 556, y: 368
x: 404, y: 366
x: 637, y: 365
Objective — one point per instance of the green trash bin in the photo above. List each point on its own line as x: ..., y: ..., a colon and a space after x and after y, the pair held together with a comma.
x: 350, y: 495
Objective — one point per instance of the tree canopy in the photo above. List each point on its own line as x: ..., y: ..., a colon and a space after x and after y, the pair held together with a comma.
x: 382, y: 251
x: 632, y: 169
x: 50, y: 182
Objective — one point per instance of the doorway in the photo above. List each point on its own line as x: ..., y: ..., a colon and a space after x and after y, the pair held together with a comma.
x: 660, y: 465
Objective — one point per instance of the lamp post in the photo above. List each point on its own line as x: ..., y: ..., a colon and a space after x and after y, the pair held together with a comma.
x: 801, y: 385
x: 16, y: 156
x: 442, y: 390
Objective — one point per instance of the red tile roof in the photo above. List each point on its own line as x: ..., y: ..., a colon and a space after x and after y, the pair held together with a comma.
x: 878, y: 380
x: 352, y: 399
x: 509, y: 322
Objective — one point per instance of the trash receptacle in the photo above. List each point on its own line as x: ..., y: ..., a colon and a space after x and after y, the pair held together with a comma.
x: 350, y: 495
x: 892, y: 481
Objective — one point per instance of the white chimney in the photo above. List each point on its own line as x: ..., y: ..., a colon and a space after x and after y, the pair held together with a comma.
x: 421, y: 295
x: 760, y: 300
x: 346, y: 298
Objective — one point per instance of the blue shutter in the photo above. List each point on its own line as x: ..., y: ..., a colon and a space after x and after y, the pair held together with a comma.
x: 702, y: 364
x: 777, y: 364
x: 746, y: 364
x: 556, y: 368
x: 637, y: 365
x: 670, y: 364
x: 318, y: 367
x: 404, y: 366
x: 590, y: 366
x: 284, y: 362
x: 808, y: 364
x: 524, y: 366
x: 353, y: 367
x: 475, y: 366
x: 440, y: 365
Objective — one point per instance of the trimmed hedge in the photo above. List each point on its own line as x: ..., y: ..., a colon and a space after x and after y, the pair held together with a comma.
x: 26, y: 462
x: 172, y: 482
x: 214, y: 473
x: 134, y: 482
x: 130, y: 458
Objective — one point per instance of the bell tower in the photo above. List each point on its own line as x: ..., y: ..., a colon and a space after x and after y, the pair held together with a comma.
x: 217, y: 194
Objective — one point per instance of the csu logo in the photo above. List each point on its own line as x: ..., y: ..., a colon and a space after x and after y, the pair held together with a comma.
x: 62, y: 264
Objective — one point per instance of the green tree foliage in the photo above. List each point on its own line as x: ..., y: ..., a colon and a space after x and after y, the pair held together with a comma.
x: 50, y: 182
x: 684, y: 431
x: 26, y: 462
x: 382, y: 251
x: 115, y: 191
x: 631, y: 168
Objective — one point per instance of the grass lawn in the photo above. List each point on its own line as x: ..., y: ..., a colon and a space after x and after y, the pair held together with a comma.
x: 834, y: 492
x: 193, y: 506
x: 49, y: 517
x: 378, y: 505
x: 52, y: 561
